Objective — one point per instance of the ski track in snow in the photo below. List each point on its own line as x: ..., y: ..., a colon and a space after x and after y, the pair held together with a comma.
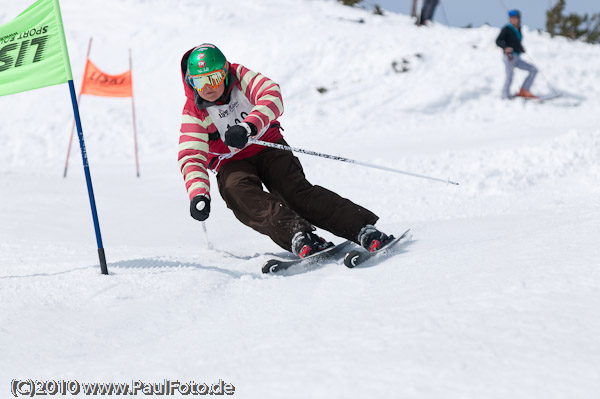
x: 496, y: 296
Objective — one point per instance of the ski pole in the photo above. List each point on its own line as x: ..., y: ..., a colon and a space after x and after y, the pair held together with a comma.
x: 444, y: 11
x: 342, y: 159
x: 543, y: 74
x: 208, y: 244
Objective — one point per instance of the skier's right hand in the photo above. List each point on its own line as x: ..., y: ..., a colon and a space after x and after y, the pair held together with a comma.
x: 237, y: 135
x: 200, y: 207
x: 508, y: 50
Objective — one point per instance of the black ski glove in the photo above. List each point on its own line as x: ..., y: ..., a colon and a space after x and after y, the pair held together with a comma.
x: 237, y: 135
x: 200, y: 207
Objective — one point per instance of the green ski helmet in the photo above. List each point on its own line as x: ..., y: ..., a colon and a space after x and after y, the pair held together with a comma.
x: 207, y: 66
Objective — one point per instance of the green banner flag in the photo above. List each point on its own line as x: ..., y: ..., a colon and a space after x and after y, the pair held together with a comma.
x: 33, y: 50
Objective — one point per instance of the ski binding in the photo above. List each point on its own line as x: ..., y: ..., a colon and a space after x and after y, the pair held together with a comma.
x: 356, y: 257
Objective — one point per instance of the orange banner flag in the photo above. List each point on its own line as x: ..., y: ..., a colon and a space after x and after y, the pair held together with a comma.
x: 98, y: 83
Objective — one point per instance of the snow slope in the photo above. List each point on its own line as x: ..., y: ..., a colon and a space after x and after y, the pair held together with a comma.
x: 497, y: 295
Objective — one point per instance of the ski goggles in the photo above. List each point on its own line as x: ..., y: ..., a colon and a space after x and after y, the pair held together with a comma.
x: 213, y: 79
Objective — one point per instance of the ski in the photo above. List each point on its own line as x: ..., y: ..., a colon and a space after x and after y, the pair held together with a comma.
x: 331, y: 253
x: 543, y: 98
x: 549, y: 97
x: 356, y: 257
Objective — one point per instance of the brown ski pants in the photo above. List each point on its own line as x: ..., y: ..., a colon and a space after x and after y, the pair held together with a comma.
x: 291, y: 205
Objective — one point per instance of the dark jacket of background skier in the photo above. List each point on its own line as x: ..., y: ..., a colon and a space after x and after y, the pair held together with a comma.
x: 508, y: 37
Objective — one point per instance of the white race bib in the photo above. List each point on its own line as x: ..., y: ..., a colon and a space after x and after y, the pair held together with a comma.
x: 226, y: 115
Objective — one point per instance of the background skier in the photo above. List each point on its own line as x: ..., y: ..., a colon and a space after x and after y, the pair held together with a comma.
x: 226, y: 104
x: 509, y: 40
x: 427, y: 11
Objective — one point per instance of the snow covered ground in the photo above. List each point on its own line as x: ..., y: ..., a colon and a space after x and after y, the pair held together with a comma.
x: 497, y: 296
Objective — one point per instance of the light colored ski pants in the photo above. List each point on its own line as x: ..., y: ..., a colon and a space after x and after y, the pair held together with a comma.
x: 511, y: 64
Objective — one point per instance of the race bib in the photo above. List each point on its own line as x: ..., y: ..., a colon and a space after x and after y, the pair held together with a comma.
x: 226, y: 115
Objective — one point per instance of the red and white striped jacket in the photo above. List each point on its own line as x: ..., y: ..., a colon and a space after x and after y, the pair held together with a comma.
x: 199, y: 142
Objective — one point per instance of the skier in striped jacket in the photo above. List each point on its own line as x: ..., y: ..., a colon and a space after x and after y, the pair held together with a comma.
x: 226, y: 105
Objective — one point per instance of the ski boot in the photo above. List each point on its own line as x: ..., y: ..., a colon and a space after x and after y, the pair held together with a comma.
x: 306, y: 244
x: 526, y: 94
x: 372, y: 239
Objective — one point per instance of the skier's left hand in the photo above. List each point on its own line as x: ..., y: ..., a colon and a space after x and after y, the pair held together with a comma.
x: 237, y: 135
x: 200, y: 207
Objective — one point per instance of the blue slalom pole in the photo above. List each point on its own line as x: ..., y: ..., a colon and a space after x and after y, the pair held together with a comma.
x: 88, y: 179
